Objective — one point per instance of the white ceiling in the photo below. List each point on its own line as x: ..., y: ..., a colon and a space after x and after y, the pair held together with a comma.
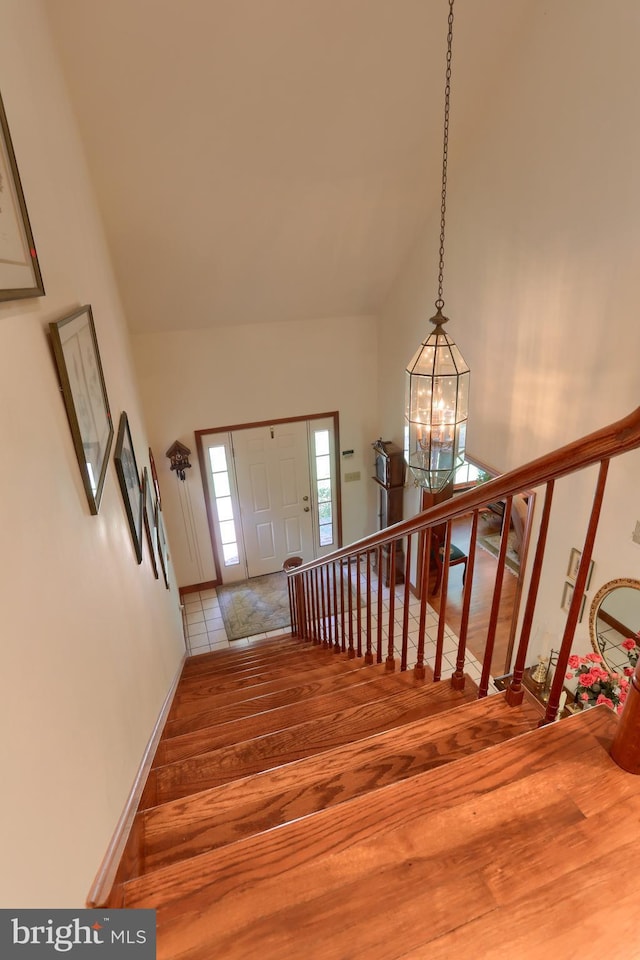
x: 260, y: 160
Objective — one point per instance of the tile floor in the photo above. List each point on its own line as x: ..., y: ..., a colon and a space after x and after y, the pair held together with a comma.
x: 204, y: 630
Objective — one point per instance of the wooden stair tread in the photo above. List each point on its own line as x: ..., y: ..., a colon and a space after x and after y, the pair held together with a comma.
x: 247, y: 661
x: 300, y: 688
x: 226, y: 763
x: 239, y: 650
x: 197, y: 687
x: 212, y: 818
x: 428, y: 856
x: 251, y: 690
x: 203, y: 740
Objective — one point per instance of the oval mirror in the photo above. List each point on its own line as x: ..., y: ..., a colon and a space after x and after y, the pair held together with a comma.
x: 614, y: 618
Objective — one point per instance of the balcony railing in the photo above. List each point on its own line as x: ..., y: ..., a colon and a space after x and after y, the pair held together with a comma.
x: 337, y: 601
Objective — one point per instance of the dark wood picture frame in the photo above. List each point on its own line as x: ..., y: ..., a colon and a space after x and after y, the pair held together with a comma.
x: 163, y: 550
x: 129, y: 478
x: 20, y: 275
x: 75, y: 349
x: 154, y: 477
x: 150, y: 520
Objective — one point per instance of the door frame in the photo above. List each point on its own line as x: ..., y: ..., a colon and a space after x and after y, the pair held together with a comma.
x: 229, y: 428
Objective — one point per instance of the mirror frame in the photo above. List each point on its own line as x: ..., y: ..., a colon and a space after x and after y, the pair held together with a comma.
x: 597, y: 601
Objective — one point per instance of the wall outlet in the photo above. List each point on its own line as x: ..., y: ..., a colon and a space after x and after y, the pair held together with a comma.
x: 635, y: 536
x: 350, y: 477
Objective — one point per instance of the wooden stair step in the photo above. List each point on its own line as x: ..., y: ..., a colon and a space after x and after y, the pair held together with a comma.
x: 225, y: 677
x: 233, y: 662
x: 374, y: 686
x: 240, y: 649
x: 334, y: 668
x: 210, y: 769
x: 443, y: 854
x: 191, y: 826
x: 301, y: 688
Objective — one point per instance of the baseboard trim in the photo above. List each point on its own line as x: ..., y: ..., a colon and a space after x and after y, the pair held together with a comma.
x: 124, y: 836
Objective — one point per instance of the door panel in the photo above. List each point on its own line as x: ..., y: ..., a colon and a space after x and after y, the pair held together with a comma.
x: 272, y: 472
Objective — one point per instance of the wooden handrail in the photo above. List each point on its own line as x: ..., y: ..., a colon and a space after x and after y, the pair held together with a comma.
x: 619, y: 437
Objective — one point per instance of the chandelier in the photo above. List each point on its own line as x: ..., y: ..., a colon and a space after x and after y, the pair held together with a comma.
x: 437, y: 377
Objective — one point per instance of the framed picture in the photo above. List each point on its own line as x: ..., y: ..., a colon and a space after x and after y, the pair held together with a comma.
x: 154, y: 477
x: 567, y: 597
x: 574, y: 564
x: 149, y: 520
x: 19, y: 268
x: 163, y: 550
x: 77, y: 357
x: 127, y: 470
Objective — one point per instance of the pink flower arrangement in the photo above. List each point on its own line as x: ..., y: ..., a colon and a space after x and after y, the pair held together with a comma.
x: 596, y: 684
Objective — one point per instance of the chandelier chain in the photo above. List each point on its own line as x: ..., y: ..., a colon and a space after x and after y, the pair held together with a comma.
x: 445, y: 157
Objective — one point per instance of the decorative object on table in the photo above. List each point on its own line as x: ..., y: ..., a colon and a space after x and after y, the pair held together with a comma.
x: 20, y: 275
x: 598, y: 685
x: 127, y: 470
x: 539, y: 674
x: 149, y: 514
x: 437, y: 377
x: 77, y: 357
x: 567, y: 596
x: 163, y: 549
x: 179, y: 456
x: 574, y: 566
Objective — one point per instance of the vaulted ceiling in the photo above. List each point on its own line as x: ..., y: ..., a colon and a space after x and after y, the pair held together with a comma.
x: 261, y: 160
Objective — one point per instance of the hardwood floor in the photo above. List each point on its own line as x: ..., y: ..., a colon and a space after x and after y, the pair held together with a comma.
x: 481, y: 600
x: 463, y: 831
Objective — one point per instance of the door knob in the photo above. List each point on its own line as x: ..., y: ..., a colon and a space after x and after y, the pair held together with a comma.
x: 305, y: 498
x: 306, y: 509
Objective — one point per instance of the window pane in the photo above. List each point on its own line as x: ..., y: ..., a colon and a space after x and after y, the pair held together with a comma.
x: 230, y: 553
x: 324, y: 490
x: 326, y: 534
x: 224, y: 508
x: 221, y: 486
x: 325, y: 512
x: 323, y: 467
x: 228, y: 531
x: 322, y: 442
x: 218, y: 459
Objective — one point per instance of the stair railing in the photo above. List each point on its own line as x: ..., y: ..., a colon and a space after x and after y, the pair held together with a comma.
x: 326, y: 596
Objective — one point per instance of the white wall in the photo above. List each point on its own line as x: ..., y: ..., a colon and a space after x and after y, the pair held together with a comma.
x: 90, y: 640
x: 541, y: 274
x: 204, y: 379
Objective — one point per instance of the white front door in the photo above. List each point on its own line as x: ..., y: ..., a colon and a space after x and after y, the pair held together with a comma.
x: 272, y: 471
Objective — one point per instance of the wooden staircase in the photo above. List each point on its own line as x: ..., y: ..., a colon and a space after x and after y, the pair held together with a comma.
x: 302, y: 804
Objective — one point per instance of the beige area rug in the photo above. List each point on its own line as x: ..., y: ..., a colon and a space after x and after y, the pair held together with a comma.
x: 255, y: 606
x: 260, y: 605
x: 491, y: 543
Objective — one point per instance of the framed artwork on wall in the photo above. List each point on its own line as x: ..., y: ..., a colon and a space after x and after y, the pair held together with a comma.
x: 567, y: 597
x: 154, y: 477
x: 77, y: 357
x: 574, y: 565
x: 150, y: 520
x: 127, y: 470
x: 20, y: 275
x: 163, y: 550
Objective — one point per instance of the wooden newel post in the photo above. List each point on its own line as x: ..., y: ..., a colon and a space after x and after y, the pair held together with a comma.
x: 625, y: 749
